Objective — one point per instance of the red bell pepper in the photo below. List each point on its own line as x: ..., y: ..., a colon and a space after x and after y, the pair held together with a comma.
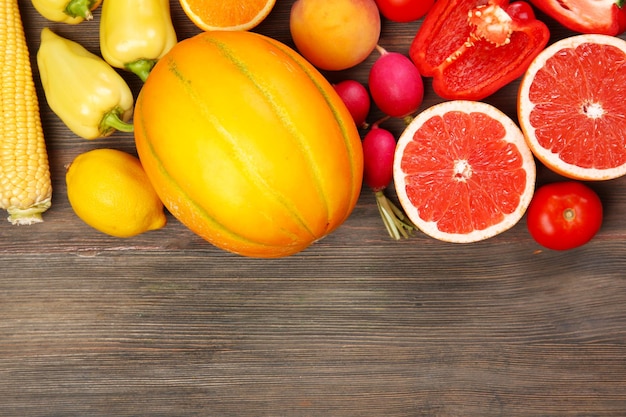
x: 472, y: 48
x: 606, y: 17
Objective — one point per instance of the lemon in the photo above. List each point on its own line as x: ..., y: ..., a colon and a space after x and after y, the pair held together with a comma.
x: 109, y: 190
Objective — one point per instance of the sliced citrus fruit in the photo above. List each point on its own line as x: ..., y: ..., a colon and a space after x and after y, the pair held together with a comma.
x: 572, y: 107
x: 227, y: 14
x: 463, y: 172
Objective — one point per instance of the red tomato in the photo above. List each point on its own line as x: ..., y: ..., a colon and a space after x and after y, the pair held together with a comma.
x: 564, y: 215
x: 404, y: 10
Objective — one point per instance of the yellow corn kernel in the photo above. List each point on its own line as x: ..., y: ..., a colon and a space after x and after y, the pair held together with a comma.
x: 25, y: 186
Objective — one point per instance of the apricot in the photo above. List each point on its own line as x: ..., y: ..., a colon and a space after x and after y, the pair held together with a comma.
x: 335, y: 34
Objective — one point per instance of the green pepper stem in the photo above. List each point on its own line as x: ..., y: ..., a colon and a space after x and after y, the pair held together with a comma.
x: 396, y: 223
x: 141, y: 67
x: 80, y: 8
x: 112, y: 120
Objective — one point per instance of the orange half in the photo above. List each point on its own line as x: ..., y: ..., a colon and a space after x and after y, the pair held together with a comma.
x: 227, y: 14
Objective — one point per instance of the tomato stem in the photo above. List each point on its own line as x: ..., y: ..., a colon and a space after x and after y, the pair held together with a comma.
x: 396, y: 223
x: 569, y: 214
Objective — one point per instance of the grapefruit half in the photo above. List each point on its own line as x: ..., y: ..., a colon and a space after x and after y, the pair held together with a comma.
x: 463, y: 172
x: 572, y: 107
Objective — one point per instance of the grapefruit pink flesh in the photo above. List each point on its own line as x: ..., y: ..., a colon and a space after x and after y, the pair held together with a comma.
x: 588, y: 108
x: 464, y: 171
x: 572, y: 110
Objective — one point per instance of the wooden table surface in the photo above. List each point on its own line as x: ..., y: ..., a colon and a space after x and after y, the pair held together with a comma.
x: 357, y: 325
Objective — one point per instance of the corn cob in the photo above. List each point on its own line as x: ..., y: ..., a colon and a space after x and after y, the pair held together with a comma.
x: 25, y: 186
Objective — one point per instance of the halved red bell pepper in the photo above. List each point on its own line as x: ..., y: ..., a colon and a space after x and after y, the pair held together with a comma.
x: 606, y: 17
x: 472, y: 48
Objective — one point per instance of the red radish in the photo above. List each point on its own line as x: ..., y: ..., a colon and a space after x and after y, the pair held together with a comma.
x: 378, y: 152
x: 379, y: 146
x: 395, y: 84
x: 356, y: 98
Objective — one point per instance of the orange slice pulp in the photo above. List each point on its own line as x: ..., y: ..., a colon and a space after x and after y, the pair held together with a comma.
x: 227, y: 14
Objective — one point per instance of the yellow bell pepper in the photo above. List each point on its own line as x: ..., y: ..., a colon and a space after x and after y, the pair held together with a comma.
x: 85, y: 92
x: 134, y: 34
x: 66, y: 11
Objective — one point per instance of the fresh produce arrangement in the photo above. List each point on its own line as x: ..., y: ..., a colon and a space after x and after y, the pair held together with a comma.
x: 246, y: 142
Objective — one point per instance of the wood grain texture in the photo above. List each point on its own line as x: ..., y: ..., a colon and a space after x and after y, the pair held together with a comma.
x: 357, y: 325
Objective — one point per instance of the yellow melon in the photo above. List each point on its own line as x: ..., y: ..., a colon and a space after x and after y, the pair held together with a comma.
x: 247, y: 144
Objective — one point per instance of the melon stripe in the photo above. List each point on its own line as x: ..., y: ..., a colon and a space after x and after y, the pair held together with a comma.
x: 287, y: 122
x: 200, y: 209
x: 253, y: 174
x: 340, y: 122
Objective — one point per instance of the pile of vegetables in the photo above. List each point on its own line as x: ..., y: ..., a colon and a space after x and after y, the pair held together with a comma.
x: 504, y: 38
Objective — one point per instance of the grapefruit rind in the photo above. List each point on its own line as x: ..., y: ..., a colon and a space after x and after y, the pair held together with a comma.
x: 551, y: 159
x: 513, y: 136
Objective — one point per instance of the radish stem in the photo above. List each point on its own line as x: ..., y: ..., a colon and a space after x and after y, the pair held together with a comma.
x: 396, y: 223
x: 381, y: 50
